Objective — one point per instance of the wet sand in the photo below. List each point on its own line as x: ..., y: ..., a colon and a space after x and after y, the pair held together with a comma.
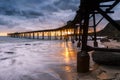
x: 97, y: 72
x: 48, y: 60
x: 102, y: 72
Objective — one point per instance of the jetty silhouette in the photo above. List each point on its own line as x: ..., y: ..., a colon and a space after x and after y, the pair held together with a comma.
x: 78, y: 29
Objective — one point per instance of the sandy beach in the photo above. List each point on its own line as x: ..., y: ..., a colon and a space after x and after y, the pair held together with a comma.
x: 27, y: 59
x: 102, y: 72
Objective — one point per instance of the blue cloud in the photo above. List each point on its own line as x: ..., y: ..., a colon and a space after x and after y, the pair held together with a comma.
x: 36, y: 14
x: 25, y: 15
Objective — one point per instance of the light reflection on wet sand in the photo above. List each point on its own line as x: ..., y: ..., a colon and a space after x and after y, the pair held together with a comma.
x: 69, y: 53
x: 46, y: 60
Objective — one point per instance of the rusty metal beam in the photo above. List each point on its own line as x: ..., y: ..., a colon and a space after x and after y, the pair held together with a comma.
x: 113, y: 5
x: 109, y: 19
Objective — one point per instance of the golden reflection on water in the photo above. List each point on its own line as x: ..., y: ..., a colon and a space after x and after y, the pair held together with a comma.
x: 68, y: 68
x: 69, y: 53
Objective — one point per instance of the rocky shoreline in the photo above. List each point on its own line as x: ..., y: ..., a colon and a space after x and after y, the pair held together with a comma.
x: 111, y: 69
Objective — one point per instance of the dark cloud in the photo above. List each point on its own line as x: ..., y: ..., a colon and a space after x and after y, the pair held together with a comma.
x: 31, y: 14
x: 67, y: 4
x: 7, y: 23
x: 49, y: 8
x: 35, y: 7
x: 3, y: 22
x: 26, y: 15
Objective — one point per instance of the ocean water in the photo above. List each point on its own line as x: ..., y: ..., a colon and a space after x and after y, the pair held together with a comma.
x: 28, y: 59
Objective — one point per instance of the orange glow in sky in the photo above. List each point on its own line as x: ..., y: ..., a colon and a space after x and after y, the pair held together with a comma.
x: 3, y: 34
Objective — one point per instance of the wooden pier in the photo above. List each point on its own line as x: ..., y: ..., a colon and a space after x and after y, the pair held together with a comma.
x: 77, y: 28
x: 58, y: 33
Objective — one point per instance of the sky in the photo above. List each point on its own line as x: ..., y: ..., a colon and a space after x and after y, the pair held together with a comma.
x: 29, y: 15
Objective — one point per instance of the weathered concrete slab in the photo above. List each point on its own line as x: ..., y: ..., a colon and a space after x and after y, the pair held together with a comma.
x: 107, y: 58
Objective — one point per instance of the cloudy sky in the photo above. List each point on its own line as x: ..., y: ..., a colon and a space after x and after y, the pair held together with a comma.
x: 27, y: 15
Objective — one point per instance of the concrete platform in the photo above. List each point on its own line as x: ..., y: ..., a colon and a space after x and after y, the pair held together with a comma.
x: 107, y: 58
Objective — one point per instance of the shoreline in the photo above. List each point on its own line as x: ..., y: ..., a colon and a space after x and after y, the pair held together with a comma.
x: 104, y: 72
x: 97, y: 72
x: 33, y: 62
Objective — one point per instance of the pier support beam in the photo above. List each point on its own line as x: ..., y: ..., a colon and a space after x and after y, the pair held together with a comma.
x: 94, y: 26
x: 75, y: 33
x: 29, y: 35
x: 55, y: 35
x: 60, y: 34
x: 42, y: 35
x: 18, y: 35
x: 72, y: 36
x: 79, y: 40
x: 37, y: 35
x: 82, y: 62
x: 49, y: 35
x: 67, y: 36
x: 83, y: 56
x: 33, y: 35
